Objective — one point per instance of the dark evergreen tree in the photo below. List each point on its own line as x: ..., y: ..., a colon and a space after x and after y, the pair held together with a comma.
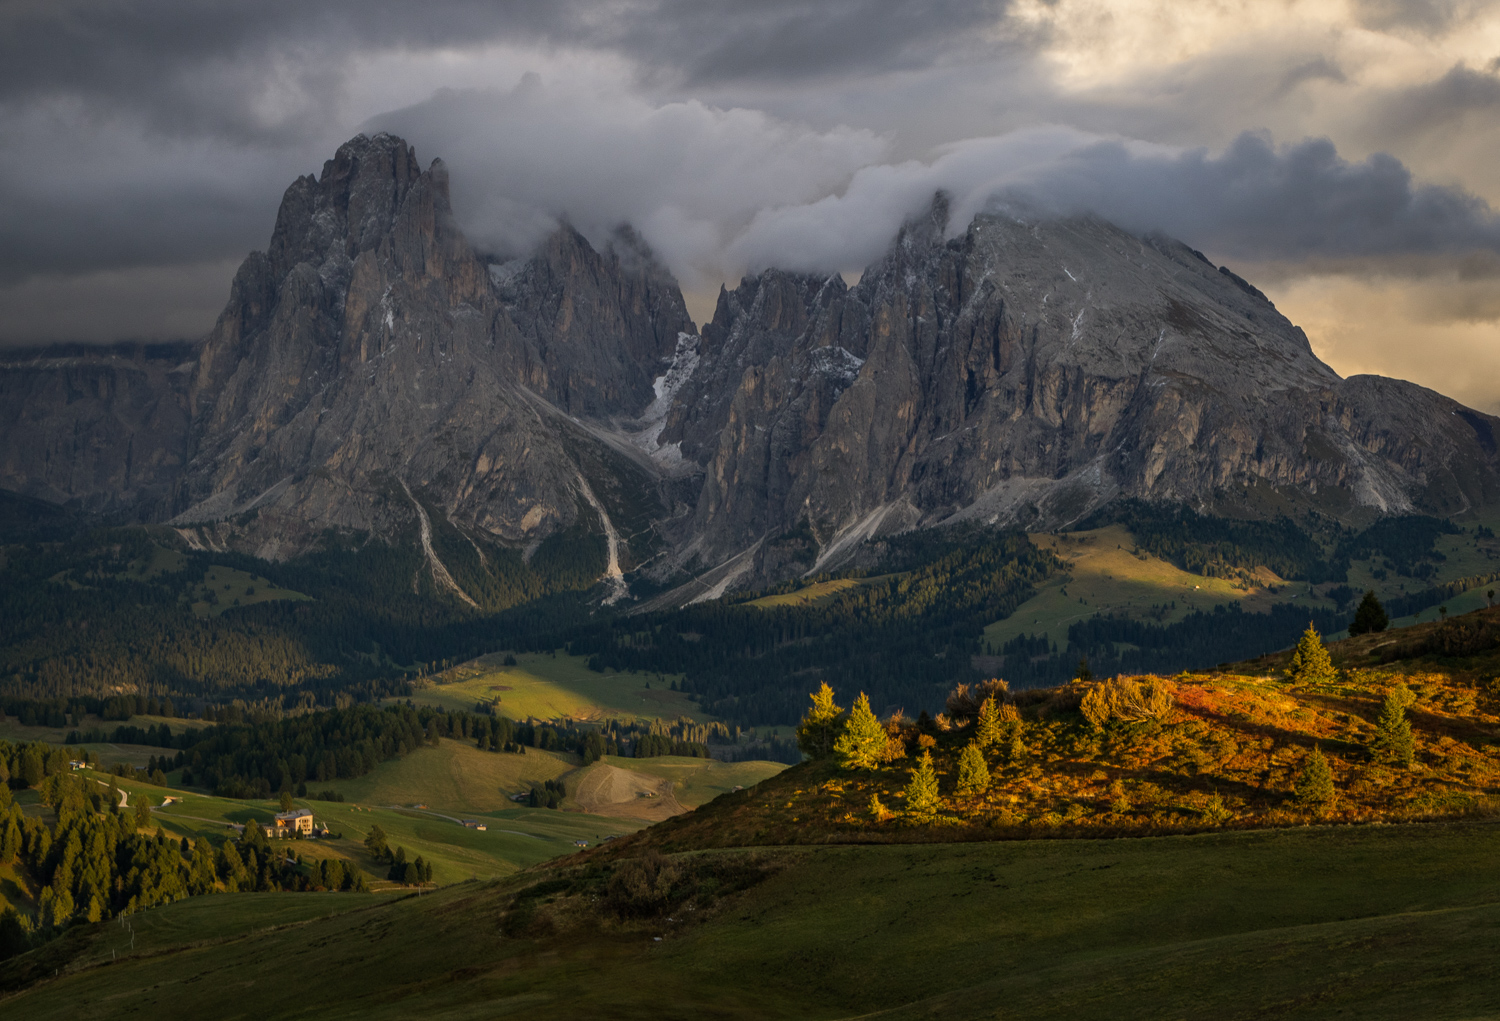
x: 1393, y: 741
x: 1315, y: 784
x: 1369, y: 617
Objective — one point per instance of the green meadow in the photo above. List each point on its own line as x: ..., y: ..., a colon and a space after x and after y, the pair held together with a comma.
x: 546, y: 687
x: 515, y: 836
x: 1373, y: 922
x: 1105, y: 572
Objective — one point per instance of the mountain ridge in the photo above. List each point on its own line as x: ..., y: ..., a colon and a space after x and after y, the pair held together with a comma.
x: 1022, y: 371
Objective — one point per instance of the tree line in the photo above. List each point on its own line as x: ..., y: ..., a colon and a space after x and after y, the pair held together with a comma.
x: 1218, y: 547
x: 97, y: 861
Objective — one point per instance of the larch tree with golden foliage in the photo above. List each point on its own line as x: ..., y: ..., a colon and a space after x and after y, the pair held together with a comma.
x: 922, y: 799
x: 973, y: 773
x: 1310, y: 661
x: 989, y: 728
x: 862, y: 744
x: 819, y: 728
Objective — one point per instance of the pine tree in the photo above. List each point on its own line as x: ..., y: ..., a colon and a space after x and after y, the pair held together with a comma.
x: 1369, y: 617
x: 287, y: 804
x: 1315, y: 784
x: 862, y: 744
x: 1393, y: 739
x: 376, y: 844
x: 878, y: 811
x: 922, y: 800
x: 973, y: 774
x: 818, y: 729
x: 1310, y: 661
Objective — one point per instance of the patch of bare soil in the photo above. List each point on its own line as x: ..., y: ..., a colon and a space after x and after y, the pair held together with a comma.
x: 609, y: 790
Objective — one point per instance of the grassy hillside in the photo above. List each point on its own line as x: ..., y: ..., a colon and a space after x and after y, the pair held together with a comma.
x: 454, y: 777
x: 720, y: 914
x: 515, y: 837
x: 1395, y: 922
x: 224, y: 588
x: 548, y: 686
x: 194, y: 922
x: 1106, y: 572
x: 808, y: 594
x: 108, y: 753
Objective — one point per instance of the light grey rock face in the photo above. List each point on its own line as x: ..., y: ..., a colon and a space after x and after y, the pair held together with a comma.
x: 1025, y: 371
x: 103, y: 428
x: 1029, y: 372
x: 595, y: 328
x: 370, y: 347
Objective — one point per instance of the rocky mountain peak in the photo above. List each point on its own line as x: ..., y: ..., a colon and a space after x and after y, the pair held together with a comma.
x: 597, y: 327
x: 372, y: 374
x: 349, y: 208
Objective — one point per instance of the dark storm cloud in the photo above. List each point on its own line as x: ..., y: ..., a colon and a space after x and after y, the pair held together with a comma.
x: 148, y: 135
x: 1428, y: 16
x: 731, y: 40
x: 1431, y: 106
x: 192, y: 67
x: 130, y: 227
x: 1257, y: 201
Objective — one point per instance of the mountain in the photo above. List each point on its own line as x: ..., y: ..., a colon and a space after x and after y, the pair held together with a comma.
x: 372, y: 374
x: 1029, y: 371
x: 103, y: 429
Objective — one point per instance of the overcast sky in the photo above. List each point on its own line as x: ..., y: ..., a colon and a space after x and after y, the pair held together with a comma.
x: 1342, y: 154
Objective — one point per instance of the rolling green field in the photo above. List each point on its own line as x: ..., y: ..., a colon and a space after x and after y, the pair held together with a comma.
x: 11, y: 729
x: 454, y: 777
x: 194, y: 921
x: 1109, y: 575
x: 549, y: 687
x: 1379, y: 922
x: 515, y: 837
x: 1104, y: 572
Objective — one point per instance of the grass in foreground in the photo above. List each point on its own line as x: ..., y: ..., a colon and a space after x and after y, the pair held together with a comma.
x: 1394, y: 922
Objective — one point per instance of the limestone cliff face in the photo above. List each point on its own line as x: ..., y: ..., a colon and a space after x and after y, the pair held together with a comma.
x: 594, y: 328
x: 370, y: 370
x: 1029, y: 372
x: 102, y: 428
x: 368, y: 352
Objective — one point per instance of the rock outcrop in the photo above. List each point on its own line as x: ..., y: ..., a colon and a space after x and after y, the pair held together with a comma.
x: 104, y: 429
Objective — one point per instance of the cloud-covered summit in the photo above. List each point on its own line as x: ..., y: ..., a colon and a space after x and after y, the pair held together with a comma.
x: 1342, y: 147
